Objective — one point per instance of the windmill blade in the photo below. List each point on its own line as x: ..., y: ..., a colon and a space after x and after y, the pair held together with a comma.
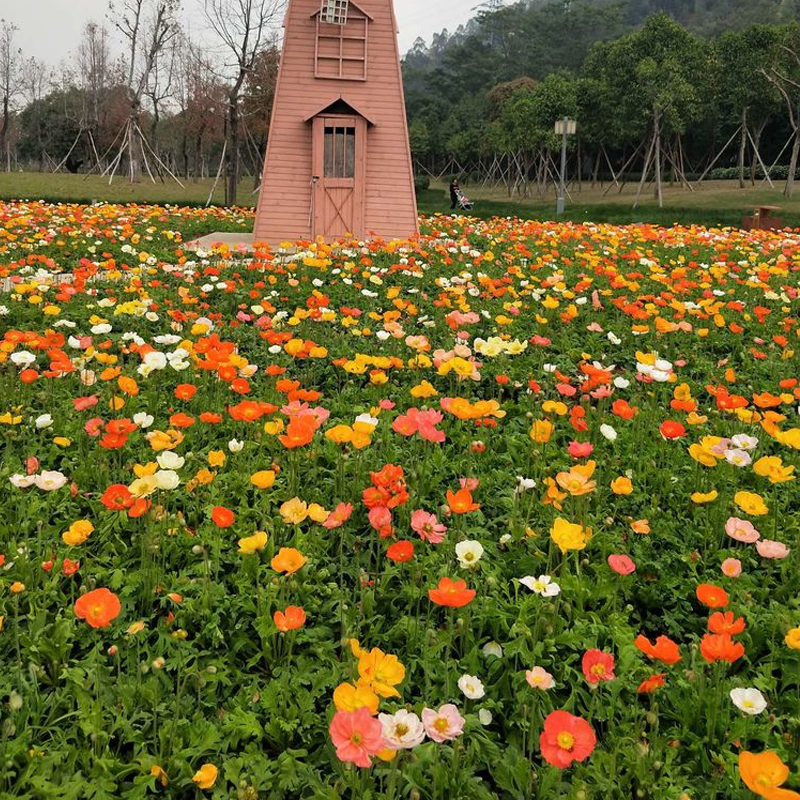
x: 334, y: 12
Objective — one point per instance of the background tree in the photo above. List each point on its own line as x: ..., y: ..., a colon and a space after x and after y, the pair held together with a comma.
x: 746, y: 95
x: 244, y: 28
x: 10, y: 85
x: 147, y: 27
x: 784, y: 74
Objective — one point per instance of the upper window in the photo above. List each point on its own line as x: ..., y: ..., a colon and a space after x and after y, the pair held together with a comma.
x: 341, y: 51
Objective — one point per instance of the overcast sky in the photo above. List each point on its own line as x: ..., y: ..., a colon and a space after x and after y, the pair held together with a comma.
x: 50, y: 29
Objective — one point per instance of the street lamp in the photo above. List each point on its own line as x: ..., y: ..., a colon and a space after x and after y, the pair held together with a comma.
x: 564, y: 127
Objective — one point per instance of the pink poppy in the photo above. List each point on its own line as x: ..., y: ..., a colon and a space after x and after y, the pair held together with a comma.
x: 381, y: 520
x: 94, y: 426
x: 444, y: 724
x: 601, y: 392
x: 580, y: 449
x: 470, y: 484
x: 386, y: 405
x: 742, y: 530
x: 565, y: 390
x: 541, y: 341
x: 82, y: 403
x: 731, y: 567
x: 621, y: 564
x: 357, y: 736
x: 767, y: 548
x: 428, y: 527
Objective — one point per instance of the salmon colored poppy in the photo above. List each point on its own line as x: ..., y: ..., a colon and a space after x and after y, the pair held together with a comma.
x: 99, y: 608
x: 289, y: 620
x: 566, y: 739
x: 453, y: 594
x: 597, y: 666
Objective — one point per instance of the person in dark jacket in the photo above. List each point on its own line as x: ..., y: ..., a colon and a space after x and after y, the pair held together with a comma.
x: 454, y: 192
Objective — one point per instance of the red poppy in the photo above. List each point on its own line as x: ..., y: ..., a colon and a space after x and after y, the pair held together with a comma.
x: 720, y: 622
x: 222, y: 517
x: 299, y: 432
x: 566, y: 738
x: 400, y: 552
x: 99, y: 607
x: 28, y: 375
x: 651, y: 684
x: 664, y: 650
x: 453, y: 594
x: 712, y: 596
x: 672, y: 430
x: 289, y: 620
x: 597, y: 666
x: 117, y: 497
x: 70, y: 567
x: 720, y: 647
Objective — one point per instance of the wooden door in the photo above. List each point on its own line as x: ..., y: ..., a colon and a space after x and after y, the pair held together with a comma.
x: 339, y: 160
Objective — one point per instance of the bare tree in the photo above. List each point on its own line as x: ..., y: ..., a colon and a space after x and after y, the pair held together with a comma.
x: 147, y: 27
x: 244, y: 28
x: 10, y: 84
x: 94, y: 60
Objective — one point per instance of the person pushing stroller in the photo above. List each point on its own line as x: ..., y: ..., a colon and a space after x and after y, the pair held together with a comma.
x: 458, y: 200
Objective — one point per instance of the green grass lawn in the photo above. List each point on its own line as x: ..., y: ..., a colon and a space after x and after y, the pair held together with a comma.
x: 715, y: 203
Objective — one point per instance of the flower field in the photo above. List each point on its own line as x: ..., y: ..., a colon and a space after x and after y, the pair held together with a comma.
x: 507, y: 512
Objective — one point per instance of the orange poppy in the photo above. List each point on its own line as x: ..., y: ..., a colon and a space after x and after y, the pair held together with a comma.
x: 652, y: 683
x: 453, y: 594
x: 289, y: 620
x: 461, y: 502
x: 720, y: 647
x: 725, y: 623
x: 185, y: 391
x: 664, y: 650
x: 299, y: 432
x: 712, y: 596
x: 222, y: 517
x: 288, y: 560
x: 763, y: 773
x: 99, y: 607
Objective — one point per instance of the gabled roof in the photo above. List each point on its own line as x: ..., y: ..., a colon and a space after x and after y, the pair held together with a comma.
x: 333, y: 100
x: 354, y: 5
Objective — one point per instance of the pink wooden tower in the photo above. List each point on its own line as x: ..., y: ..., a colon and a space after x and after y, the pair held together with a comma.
x: 338, y: 160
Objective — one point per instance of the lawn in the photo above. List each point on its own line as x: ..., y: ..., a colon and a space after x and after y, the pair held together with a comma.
x: 714, y: 203
x: 504, y: 512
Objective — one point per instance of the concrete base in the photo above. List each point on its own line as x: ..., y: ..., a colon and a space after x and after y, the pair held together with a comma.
x: 242, y: 242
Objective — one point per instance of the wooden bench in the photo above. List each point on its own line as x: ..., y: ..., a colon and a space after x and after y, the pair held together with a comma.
x: 763, y: 219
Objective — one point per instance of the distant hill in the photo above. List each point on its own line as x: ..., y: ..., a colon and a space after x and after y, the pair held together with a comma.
x: 535, y: 37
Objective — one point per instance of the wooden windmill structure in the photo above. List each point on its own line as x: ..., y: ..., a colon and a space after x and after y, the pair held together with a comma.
x: 338, y: 160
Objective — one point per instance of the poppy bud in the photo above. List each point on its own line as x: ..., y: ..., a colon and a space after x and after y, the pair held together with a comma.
x: 651, y: 718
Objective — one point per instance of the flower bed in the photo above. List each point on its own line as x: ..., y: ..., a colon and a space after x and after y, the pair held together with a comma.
x: 506, y: 512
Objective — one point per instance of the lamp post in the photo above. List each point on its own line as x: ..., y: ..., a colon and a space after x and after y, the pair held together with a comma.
x: 565, y: 127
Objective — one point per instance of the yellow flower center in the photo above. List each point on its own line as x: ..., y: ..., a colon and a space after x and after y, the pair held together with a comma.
x: 356, y: 738
x: 598, y: 669
x: 441, y: 725
x: 400, y: 730
x: 565, y: 740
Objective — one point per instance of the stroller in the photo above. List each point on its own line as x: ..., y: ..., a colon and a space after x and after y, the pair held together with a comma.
x: 464, y: 203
